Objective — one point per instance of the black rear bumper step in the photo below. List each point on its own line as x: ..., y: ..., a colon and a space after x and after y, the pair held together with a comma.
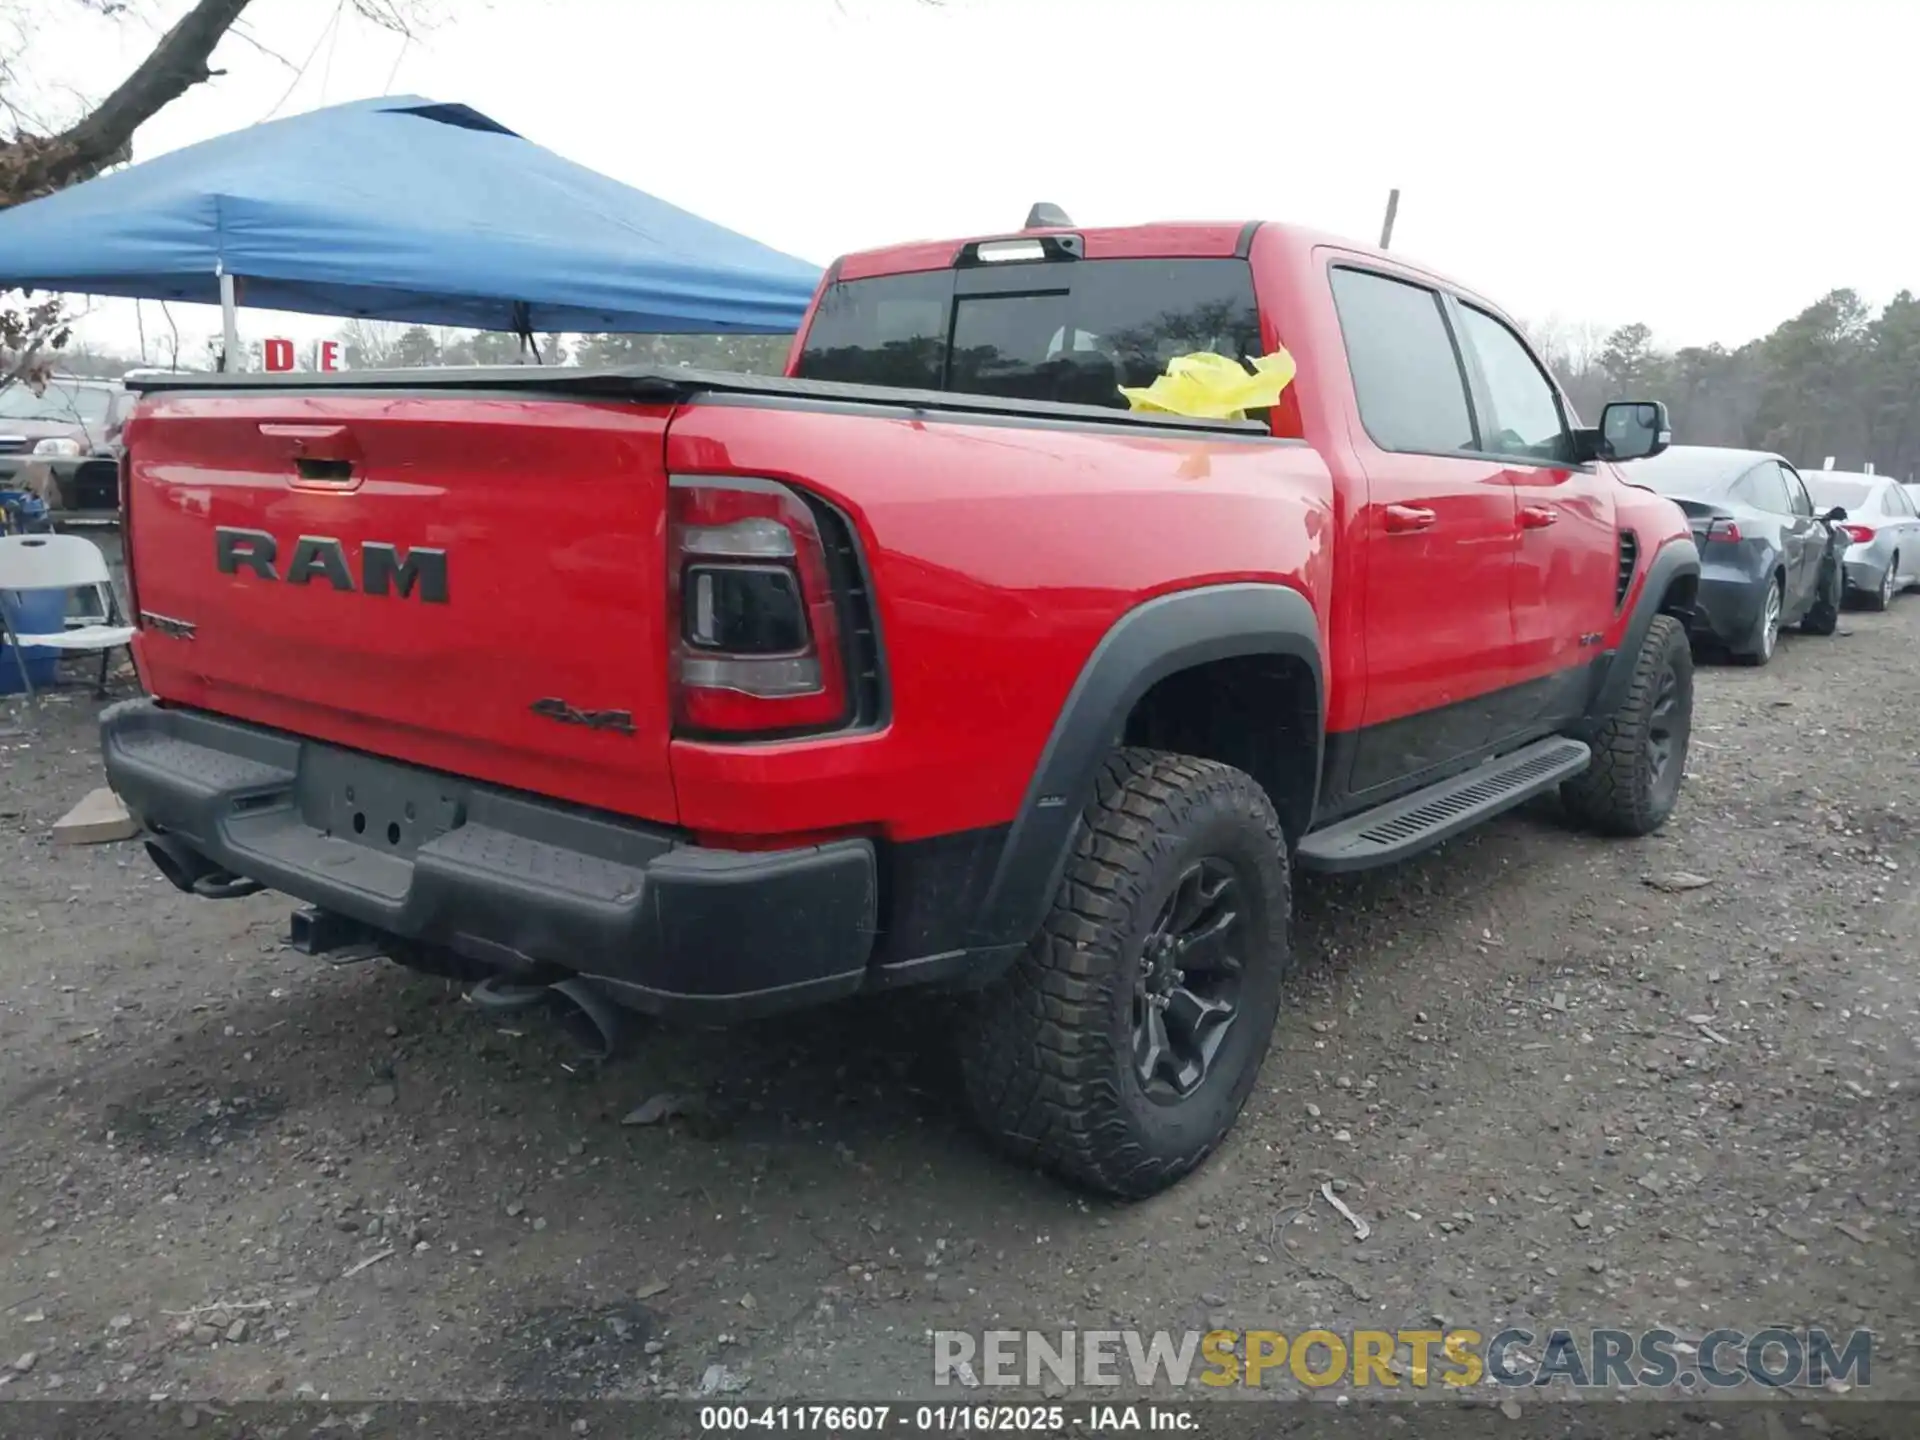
x: 1406, y: 826
x: 383, y: 850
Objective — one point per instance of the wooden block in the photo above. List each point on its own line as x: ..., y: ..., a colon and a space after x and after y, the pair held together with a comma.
x: 96, y: 820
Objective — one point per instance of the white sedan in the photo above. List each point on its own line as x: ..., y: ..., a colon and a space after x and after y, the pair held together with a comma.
x: 1883, y: 523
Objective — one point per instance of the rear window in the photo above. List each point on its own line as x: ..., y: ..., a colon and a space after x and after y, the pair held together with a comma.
x: 1686, y: 485
x: 1066, y: 330
x: 1848, y: 493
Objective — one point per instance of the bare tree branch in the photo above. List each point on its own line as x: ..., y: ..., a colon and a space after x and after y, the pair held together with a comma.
x: 35, y: 165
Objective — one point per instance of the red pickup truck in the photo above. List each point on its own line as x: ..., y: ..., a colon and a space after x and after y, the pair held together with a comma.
x: 930, y: 663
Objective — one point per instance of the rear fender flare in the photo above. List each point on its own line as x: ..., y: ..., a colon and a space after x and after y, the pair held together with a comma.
x: 1675, y: 560
x: 1150, y: 642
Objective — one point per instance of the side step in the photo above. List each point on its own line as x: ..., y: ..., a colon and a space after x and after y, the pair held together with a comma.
x: 1415, y: 822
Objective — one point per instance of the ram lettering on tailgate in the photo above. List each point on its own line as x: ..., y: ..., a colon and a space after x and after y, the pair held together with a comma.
x: 384, y: 568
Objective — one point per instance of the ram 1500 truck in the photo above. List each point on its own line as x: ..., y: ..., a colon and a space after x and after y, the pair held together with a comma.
x: 927, y: 664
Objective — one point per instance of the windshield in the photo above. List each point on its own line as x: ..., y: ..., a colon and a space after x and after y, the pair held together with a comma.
x: 62, y: 400
x: 1068, y: 330
x: 1851, y: 494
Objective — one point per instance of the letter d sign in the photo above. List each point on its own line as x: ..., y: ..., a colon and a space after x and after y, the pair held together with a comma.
x: 277, y: 354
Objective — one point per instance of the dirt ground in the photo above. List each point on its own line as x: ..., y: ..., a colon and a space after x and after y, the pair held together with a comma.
x: 1559, y: 1093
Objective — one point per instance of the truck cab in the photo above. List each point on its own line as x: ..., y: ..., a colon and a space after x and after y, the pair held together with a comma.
x: 933, y: 663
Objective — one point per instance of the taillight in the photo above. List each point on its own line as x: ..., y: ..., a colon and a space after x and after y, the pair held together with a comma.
x: 756, y: 637
x: 1724, y: 530
x: 126, y: 536
x: 1859, y: 534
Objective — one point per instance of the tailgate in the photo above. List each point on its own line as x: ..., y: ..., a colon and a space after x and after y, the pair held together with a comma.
x: 468, y: 582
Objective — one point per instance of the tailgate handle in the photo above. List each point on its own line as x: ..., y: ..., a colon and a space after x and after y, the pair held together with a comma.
x: 315, y: 471
x: 323, y: 455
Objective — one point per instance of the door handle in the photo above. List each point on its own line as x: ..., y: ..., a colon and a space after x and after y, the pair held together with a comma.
x: 1407, y: 519
x: 1537, y: 517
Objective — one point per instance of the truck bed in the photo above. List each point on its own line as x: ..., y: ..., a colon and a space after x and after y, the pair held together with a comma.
x: 668, y: 385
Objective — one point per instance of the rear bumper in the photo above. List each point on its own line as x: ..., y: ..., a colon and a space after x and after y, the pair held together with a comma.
x: 1727, y: 607
x: 504, y: 879
x: 1865, y: 572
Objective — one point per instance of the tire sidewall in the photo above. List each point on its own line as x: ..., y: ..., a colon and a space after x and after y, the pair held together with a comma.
x: 1660, y: 799
x: 1760, y: 651
x: 1777, y: 602
x: 1170, y: 1133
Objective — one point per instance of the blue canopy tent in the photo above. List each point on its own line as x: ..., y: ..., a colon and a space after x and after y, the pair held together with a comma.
x: 401, y: 209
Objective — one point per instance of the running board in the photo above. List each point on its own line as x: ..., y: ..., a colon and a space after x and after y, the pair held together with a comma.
x: 1411, y: 824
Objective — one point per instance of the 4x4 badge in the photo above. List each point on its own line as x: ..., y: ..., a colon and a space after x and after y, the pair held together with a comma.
x: 556, y: 709
x: 167, y: 625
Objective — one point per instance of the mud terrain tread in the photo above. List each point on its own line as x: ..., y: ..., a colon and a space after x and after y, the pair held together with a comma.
x: 1613, y: 794
x: 1038, y: 1062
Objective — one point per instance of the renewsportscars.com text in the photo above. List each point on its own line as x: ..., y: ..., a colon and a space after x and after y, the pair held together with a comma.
x: 1392, y: 1359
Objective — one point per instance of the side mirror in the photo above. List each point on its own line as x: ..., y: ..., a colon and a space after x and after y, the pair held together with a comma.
x: 1835, y: 515
x: 1634, y: 430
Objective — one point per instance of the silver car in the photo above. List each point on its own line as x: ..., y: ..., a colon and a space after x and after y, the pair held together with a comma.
x: 1883, y: 521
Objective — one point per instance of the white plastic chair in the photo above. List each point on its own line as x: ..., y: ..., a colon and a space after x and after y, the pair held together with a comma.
x: 66, y: 563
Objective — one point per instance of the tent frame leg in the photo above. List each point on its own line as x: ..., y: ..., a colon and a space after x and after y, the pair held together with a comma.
x: 229, y: 325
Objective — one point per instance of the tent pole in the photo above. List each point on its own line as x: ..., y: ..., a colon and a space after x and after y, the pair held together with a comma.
x: 229, y: 325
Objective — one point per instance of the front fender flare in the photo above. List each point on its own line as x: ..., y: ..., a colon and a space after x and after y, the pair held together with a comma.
x: 1675, y: 560
x: 1150, y: 642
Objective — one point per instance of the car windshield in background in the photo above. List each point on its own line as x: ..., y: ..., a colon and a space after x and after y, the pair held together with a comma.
x: 1077, y: 333
x: 87, y: 405
x: 1849, y: 494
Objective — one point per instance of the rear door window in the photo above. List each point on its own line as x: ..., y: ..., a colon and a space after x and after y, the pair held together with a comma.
x: 1768, y: 489
x: 1064, y: 330
x: 1407, y: 376
x: 1797, y: 493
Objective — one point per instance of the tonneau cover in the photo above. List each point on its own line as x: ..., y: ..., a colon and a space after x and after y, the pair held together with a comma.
x: 663, y: 384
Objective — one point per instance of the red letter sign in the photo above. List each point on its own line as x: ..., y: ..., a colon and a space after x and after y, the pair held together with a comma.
x: 329, y: 354
x: 277, y: 354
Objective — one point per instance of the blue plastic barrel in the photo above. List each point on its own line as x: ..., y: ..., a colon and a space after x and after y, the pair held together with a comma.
x: 31, y: 612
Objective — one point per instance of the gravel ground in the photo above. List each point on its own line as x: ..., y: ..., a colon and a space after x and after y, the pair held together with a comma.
x: 1559, y: 1093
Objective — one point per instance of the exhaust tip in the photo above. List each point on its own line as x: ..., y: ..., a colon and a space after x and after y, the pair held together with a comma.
x: 587, y: 1019
x: 180, y: 865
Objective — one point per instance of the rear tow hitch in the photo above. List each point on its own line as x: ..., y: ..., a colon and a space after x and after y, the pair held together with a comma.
x: 334, y: 938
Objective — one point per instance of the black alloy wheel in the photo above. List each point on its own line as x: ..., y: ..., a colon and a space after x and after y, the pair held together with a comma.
x: 1187, y: 995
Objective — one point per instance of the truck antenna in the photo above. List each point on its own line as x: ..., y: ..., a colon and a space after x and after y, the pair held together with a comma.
x: 1393, y: 209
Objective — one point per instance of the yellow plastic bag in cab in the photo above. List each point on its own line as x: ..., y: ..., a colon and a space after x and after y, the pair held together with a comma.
x: 1212, y: 387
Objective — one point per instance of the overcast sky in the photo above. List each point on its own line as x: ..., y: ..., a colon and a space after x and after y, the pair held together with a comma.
x: 1707, y: 167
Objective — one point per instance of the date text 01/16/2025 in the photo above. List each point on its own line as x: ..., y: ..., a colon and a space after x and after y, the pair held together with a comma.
x: 943, y: 1419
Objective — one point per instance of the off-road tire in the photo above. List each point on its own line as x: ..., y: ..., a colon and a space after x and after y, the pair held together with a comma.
x: 1824, y: 617
x: 1046, y: 1052
x: 1617, y: 793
